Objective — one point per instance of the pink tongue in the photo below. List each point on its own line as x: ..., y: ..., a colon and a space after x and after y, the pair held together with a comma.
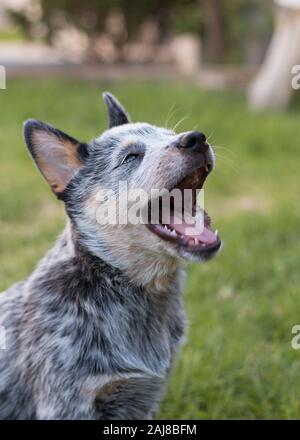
x: 202, y: 233
x: 207, y: 236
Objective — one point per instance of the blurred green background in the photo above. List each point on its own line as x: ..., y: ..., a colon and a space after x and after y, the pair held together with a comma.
x: 238, y: 361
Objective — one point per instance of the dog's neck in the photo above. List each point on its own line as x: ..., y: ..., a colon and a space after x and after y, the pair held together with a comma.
x: 156, y: 274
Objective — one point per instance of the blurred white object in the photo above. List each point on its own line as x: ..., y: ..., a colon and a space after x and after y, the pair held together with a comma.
x: 32, y: 9
x: 288, y: 3
x: 33, y: 54
x: 71, y: 43
x: 17, y: 5
x: 186, y: 51
x: 272, y: 87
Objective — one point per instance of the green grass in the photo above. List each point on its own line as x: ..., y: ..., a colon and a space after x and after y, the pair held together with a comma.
x: 13, y: 34
x: 238, y: 361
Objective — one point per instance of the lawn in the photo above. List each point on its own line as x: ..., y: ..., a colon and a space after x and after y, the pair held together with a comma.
x: 237, y: 361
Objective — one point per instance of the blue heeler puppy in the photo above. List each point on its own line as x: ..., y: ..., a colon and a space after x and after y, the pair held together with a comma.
x: 93, y: 331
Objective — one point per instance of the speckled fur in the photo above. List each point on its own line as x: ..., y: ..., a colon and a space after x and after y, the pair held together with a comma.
x: 92, y: 332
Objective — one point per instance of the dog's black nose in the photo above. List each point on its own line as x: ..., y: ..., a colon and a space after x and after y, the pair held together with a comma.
x: 194, y: 141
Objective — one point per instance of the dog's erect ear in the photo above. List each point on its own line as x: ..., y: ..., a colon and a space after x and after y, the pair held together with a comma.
x: 116, y: 113
x: 58, y: 156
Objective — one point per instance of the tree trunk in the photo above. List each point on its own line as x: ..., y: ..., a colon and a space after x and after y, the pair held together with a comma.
x: 214, y: 29
x: 272, y: 88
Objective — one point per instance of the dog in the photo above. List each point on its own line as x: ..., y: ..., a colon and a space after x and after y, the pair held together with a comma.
x: 93, y: 332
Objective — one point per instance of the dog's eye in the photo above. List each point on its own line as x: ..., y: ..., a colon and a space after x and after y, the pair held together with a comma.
x: 130, y: 157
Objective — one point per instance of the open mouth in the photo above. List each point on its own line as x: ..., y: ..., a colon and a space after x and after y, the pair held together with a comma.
x: 189, y: 229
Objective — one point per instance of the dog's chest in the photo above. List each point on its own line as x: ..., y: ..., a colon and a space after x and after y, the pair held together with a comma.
x: 137, y: 341
x: 137, y: 331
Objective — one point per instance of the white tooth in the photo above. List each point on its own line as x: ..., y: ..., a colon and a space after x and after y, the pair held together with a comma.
x: 196, y: 240
x: 173, y: 233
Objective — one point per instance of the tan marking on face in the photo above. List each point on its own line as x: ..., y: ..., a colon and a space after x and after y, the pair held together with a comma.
x: 147, y: 260
x: 163, y: 166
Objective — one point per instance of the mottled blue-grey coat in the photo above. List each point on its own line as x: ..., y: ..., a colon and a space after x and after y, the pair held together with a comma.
x: 92, y: 332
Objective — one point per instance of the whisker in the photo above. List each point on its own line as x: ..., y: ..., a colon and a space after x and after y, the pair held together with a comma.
x: 224, y: 148
x: 209, y: 136
x: 180, y: 122
x: 224, y: 157
x: 170, y: 114
x: 228, y: 162
x: 236, y: 171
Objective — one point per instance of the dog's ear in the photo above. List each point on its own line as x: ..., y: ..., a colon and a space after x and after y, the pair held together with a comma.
x: 116, y: 113
x: 58, y: 156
